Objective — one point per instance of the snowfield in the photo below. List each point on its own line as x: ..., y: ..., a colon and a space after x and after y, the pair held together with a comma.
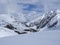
x: 39, y: 38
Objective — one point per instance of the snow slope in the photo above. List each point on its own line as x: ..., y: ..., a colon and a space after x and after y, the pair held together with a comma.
x: 39, y: 38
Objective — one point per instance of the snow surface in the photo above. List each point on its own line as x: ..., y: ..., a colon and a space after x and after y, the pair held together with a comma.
x: 39, y: 38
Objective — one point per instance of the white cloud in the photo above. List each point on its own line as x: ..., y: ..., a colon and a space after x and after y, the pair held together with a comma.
x: 28, y: 1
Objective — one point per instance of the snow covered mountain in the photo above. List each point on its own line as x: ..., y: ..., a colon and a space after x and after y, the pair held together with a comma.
x: 24, y: 22
x: 11, y: 25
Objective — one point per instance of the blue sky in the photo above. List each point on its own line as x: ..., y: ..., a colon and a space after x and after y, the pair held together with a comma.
x: 26, y: 5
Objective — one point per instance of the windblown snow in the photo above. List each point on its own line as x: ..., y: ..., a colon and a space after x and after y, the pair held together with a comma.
x: 9, y: 19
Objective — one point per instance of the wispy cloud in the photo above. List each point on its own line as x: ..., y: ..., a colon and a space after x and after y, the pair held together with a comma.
x: 28, y: 7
